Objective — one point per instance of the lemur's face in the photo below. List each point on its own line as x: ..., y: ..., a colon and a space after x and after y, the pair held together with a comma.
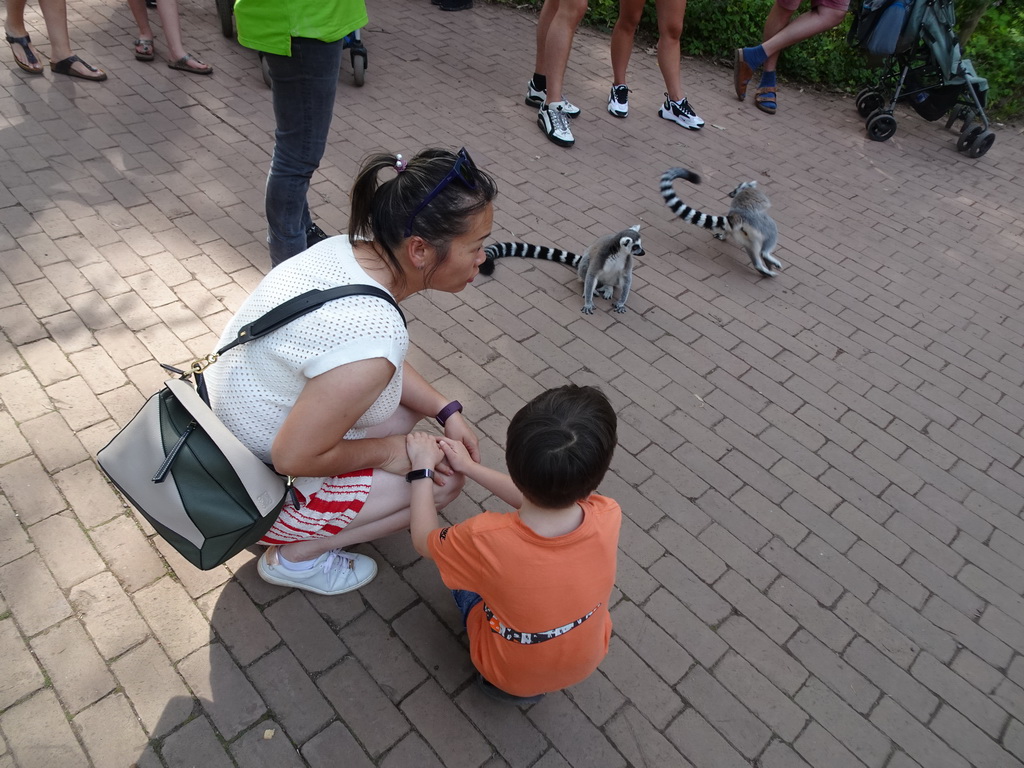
x: 741, y: 187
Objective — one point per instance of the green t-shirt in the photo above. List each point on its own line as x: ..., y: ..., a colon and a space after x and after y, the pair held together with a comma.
x: 270, y: 25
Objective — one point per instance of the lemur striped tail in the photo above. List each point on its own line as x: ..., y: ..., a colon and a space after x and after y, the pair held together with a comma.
x: 681, y: 209
x: 526, y: 251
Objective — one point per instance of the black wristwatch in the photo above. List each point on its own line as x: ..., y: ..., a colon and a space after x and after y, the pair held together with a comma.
x: 419, y: 474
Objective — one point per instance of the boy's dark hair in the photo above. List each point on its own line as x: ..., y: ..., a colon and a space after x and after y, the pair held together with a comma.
x: 559, y: 445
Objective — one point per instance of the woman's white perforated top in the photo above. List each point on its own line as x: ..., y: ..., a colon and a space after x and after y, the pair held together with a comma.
x: 254, y: 386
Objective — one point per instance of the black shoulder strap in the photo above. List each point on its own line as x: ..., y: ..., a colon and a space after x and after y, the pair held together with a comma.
x: 301, y: 305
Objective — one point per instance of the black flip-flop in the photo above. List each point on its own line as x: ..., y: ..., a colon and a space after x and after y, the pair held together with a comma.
x: 66, y: 67
x: 33, y: 67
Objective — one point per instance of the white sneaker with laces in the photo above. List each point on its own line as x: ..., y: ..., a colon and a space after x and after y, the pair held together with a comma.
x: 618, y: 101
x: 553, y: 120
x: 536, y: 98
x: 682, y: 113
x: 333, y: 573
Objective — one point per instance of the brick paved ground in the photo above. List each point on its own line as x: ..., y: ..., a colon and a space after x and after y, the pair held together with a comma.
x: 823, y: 558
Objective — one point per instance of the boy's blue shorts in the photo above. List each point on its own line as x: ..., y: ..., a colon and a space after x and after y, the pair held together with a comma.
x: 465, y: 600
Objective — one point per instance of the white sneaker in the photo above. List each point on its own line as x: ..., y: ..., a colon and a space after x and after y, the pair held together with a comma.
x: 682, y: 113
x: 333, y: 573
x: 536, y: 98
x: 618, y: 101
x: 554, y: 122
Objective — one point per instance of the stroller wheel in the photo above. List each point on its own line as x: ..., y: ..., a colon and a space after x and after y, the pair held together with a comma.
x: 881, y: 126
x: 982, y: 144
x: 968, y: 136
x: 226, y: 12
x: 358, y: 68
x: 868, y: 101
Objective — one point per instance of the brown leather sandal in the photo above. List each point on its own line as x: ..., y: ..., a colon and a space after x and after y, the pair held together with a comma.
x: 766, y: 99
x: 741, y: 74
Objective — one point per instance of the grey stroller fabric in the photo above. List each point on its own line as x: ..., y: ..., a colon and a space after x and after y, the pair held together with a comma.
x: 914, y: 43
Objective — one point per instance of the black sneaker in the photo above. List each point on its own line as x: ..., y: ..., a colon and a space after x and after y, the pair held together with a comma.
x: 314, y: 235
x: 618, y: 101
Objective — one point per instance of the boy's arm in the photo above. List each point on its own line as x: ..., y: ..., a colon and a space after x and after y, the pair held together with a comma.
x: 424, y: 453
x: 496, y: 482
x: 424, y: 517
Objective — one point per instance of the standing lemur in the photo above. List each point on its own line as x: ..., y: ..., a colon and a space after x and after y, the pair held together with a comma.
x: 747, y: 224
x: 603, y: 267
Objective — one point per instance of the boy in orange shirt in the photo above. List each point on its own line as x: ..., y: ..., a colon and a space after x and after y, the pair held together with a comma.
x: 533, y: 585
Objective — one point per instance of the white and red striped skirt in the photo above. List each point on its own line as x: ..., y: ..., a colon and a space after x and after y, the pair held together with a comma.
x: 324, y: 512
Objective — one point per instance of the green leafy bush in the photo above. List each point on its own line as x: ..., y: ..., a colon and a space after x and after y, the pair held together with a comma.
x: 995, y: 48
x: 714, y: 28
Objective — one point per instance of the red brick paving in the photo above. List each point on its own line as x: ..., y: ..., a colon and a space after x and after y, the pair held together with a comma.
x: 823, y: 558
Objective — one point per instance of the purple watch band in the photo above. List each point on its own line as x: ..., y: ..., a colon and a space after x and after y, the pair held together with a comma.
x: 445, y: 413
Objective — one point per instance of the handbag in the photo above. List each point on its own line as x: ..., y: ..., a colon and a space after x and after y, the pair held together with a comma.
x: 203, y: 491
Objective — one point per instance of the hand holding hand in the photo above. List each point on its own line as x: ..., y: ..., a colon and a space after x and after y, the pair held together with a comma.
x: 423, y: 450
x: 458, y: 429
x: 457, y: 454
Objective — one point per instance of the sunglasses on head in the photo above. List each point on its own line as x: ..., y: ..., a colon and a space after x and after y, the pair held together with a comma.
x: 464, y: 170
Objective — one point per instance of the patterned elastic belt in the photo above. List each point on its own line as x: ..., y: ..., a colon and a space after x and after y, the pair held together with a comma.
x: 531, y: 638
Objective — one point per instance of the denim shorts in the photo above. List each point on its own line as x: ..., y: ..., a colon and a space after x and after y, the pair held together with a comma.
x: 465, y: 600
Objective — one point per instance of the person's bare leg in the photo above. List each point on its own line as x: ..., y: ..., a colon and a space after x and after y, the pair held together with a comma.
x: 547, y: 13
x: 670, y: 30
x: 141, y: 15
x: 55, y: 14
x: 171, y: 23
x: 623, y: 35
x: 558, y: 44
x: 15, y: 19
x: 787, y: 31
x: 386, y: 511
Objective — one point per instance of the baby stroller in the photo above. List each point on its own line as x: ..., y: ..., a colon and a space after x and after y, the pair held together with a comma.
x: 353, y: 42
x: 922, y: 65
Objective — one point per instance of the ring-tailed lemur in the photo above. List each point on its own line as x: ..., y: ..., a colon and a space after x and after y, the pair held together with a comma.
x: 747, y: 224
x: 603, y: 267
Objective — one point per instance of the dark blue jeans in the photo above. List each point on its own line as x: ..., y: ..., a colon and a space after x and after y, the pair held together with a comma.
x: 304, y: 86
